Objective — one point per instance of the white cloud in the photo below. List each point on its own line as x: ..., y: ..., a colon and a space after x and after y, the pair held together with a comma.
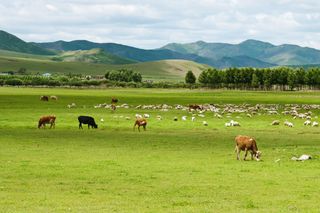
x: 151, y: 24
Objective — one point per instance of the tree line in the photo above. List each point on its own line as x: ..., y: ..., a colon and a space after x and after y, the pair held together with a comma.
x: 281, y: 78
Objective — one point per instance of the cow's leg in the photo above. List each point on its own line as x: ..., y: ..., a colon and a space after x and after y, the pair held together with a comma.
x: 80, y: 125
x: 88, y: 126
x: 237, y: 150
x: 251, y: 155
x: 245, y: 155
x: 139, y: 128
x: 144, y: 127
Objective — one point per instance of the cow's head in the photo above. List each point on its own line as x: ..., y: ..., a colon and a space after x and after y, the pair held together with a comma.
x: 258, y: 155
x: 95, y: 126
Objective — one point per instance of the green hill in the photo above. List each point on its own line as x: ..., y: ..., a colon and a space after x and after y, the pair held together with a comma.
x: 262, y: 51
x: 91, y: 56
x: 171, y: 70
x: 12, y: 43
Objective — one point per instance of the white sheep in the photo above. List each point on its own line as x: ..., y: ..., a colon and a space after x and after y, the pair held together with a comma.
x: 205, y: 123
x: 184, y: 118
x: 307, y: 123
x: 315, y: 124
x: 146, y: 115
x: 193, y: 118
x: 138, y: 116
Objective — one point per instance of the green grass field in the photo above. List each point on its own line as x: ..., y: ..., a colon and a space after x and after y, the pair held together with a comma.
x: 172, y: 167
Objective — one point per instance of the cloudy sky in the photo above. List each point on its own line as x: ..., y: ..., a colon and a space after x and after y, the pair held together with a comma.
x: 152, y: 24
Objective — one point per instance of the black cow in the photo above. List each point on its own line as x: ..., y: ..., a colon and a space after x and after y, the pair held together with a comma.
x: 87, y: 120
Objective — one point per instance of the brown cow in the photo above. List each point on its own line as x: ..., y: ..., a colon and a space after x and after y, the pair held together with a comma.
x: 47, y: 119
x: 44, y: 98
x: 114, y: 101
x: 140, y: 122
x: 194, y: 107
x: 246, y: 143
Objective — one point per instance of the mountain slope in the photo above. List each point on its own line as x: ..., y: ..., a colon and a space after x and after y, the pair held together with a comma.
x: 263, y: 51
x: 136, y: 54
x: 12, y: 43
x: 171, y: 70
x: 91, y: 56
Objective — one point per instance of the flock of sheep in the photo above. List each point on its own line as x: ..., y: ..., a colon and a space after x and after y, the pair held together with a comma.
x: 221, y: 111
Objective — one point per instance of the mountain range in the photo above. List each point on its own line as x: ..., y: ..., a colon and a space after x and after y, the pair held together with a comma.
x: 250, y: 53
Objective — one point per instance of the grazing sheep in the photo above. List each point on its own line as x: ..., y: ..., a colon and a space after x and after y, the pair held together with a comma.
x: 159, y: 117
x: 315, y: 124
x: 193, y: 118
x: 234, y: 123
x: 289, y: 124
x: 275, y: 123
x: 218, y: 116
x: 227, y: 124
x: 102, y: 120
x: 72, y: 105
x: 53, y: 97
x: 201, y: 115
x: 205, y: 123
x: 307, y: 123
x: 249, y: 115
x: 138, y: 116
x: 146, y: 115
x: 184, y: 118
x: 175, y: 118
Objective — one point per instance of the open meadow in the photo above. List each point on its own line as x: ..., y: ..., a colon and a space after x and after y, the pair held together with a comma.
x: 174, y: 166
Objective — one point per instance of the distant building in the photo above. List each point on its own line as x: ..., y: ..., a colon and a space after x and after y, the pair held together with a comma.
x: 46, y: 75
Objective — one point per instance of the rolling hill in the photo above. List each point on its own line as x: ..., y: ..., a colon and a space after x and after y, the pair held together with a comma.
x: 171, y: 70
x: 142, y: 55
x: 12, y: 43
x: 91, y: 56
x: 250, y: 53
x: 277, y: 55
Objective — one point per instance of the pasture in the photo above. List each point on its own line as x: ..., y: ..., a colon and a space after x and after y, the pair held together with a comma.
x: 179, y: 166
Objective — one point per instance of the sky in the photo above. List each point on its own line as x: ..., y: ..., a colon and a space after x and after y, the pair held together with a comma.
x: 152, y: 24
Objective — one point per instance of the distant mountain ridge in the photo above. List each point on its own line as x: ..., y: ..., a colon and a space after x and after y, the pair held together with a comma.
x: 285, y: 54
x: 12, y: 43
x: 142, y: 55
x: 250, y: 53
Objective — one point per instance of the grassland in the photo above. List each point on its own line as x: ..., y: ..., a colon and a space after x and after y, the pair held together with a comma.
x: 165, y: 70
x: 172, y: 167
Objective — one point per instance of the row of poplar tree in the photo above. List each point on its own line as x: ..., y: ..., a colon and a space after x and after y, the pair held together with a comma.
x: 283, y: 78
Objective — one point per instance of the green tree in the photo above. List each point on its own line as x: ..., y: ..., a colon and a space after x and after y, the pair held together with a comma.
x: 292, y: 79
x: 255, y: 81
x: 136, y: 77
x: 190, y: 77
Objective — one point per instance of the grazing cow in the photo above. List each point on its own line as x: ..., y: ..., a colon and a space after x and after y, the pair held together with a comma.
x: 87, y: 120
x: 246, y: 143
x: 140, y: 122
x: 194, y: 107
x: 44, y: 98
x: 114, y: 101
x: 47, y: 119
x: 53, y: 97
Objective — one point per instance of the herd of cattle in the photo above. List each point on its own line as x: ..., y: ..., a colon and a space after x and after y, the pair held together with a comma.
x: 244, y: 143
